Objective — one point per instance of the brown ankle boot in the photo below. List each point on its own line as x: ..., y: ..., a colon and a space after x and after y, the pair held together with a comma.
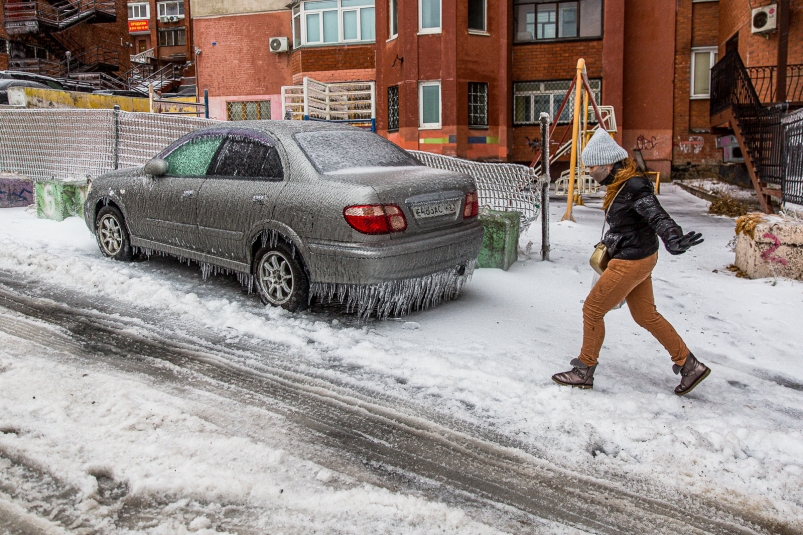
x: 581, y: 376
x: 691, y: 374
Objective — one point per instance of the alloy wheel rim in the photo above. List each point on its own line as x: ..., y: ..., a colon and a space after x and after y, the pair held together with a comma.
x: 111, y: 234
x: 276, y: 277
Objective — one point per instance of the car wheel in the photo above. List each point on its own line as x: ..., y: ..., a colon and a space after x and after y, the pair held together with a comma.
x: 280, y: 278
x: 112, y: 235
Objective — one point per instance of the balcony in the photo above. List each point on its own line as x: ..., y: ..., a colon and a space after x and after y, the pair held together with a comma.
x: 765, y: 81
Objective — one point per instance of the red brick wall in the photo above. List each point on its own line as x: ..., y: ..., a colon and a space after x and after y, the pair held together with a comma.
x: 3, y: 62
x: 331, y: 58
x: 241, y: 62
x: 647, y: 115
x: 556, y: 61
x: 758, y: 50
x: 692, y: 141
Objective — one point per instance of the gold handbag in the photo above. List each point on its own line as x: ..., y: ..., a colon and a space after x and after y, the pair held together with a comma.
x: 600, y: 258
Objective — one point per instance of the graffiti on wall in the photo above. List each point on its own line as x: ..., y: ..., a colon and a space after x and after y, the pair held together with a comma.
x: 694, y: 145
x: 643, y: 143
x: 15, y: 192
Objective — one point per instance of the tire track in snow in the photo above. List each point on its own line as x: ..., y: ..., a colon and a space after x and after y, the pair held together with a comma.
x: 404, y: 451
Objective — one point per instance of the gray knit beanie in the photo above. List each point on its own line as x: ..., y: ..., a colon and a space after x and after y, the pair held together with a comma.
x: 602, y: 150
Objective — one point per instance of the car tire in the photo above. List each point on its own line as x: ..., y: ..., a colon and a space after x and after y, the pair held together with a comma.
x: 112, y: 234
x: 280, y: 278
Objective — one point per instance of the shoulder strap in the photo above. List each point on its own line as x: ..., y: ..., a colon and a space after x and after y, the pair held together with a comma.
x: 605, y: 219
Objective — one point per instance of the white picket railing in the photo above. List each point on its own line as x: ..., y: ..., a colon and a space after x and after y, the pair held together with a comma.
x: 352, y: 102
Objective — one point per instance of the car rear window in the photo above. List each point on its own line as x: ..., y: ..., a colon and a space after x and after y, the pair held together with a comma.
x: 337, y: 150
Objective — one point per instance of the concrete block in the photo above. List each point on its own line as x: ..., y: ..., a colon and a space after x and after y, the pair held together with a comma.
x: 501, y: 241
x: 774, y: 248
x: 15, y: 191
x: 58, y: 199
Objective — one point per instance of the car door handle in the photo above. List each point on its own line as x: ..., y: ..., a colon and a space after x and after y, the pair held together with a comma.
x: 258, y: 199
x: 188, y: 194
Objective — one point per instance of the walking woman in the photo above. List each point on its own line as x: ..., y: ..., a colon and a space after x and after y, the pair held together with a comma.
x: 636, y: 219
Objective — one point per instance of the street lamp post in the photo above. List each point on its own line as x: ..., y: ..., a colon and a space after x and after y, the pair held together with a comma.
x: 69, y: 55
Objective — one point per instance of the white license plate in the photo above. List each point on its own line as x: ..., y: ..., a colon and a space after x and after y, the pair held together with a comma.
x: 435, y: 209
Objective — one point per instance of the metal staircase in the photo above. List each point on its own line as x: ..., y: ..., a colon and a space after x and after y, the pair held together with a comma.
x: 34, y: 16
x: 736, y: 106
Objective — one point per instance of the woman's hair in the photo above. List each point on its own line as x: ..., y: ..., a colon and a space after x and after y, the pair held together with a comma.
x: 627, y: 171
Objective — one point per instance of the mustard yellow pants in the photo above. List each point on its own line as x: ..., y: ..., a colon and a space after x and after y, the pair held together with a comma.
x: 629, y: 280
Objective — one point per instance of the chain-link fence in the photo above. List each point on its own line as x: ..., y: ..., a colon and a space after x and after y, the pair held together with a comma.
x: 501, y: 186
x: 73, y: 144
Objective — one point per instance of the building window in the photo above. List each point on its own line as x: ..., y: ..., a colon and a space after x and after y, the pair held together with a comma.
x: 429, y: 104
x: 702, y: 59
x: 394, y: 18
x: 477, y: 104
x: 429, y: 16
x: 171, y: 9
x: 139, y: 11
x: 333, y: 21
x: 248, y: 111
x: 173, y: 37
x: 393, y: 108
x: 537, y: 20
x: 532, y: 98
x: 477, y: 15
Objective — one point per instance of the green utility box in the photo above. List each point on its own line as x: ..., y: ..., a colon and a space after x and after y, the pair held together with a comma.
x: 57, y: 199
x: 501, y: 242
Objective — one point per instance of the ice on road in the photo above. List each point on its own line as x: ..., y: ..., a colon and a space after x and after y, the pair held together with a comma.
x: 484, y: 359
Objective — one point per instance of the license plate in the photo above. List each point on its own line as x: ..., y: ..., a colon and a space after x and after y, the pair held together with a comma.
x: 435, y: 209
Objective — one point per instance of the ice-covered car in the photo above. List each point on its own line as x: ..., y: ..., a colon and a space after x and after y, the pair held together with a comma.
x: 298, y: 210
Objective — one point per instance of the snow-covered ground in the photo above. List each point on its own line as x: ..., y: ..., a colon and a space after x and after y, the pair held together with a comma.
x: 485, y: 359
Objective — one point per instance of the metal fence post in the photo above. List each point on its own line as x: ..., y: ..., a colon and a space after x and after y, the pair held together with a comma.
x: 116, y: 126
x: 545, y: 182
x: 206, y: 102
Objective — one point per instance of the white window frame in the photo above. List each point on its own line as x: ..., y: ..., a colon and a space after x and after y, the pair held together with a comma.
x: 421, y: 29
x: 300, y: 12
x: 484, y: 30
x: 393, y: 7
x: 421, y: 124
x: 162, y: 9
x: 139, y: 6
x: 714, y: 52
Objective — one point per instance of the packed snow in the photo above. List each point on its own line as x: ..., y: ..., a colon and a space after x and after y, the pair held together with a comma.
x: 485, y: 359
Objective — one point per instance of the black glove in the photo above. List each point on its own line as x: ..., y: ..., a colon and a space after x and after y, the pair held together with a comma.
x: 678, y: 244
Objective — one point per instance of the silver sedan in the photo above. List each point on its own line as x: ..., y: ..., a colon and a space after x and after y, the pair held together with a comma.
x: 298, y: 210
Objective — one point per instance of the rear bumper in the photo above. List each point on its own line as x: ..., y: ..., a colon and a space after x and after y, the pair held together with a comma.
x: 360, y: 263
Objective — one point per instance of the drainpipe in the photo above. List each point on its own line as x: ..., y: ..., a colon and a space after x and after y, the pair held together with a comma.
x: 783, y: 50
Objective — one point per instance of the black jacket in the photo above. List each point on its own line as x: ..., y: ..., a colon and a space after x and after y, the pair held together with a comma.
x: 636, y: 219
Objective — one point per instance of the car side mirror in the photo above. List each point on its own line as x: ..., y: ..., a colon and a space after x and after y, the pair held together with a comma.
x: 156, y: 167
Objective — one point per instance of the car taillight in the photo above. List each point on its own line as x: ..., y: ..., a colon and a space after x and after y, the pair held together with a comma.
x: 472, y: 207
x: 375, y: 218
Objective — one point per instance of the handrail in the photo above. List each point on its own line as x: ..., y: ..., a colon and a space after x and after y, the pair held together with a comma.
x: 61, y: 16
x: 765, y: 79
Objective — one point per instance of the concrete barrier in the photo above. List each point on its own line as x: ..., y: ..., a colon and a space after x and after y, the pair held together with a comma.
x: 769, y: 246
x: 15, y: 191
x: 57, y: 199
x: 501, y: 241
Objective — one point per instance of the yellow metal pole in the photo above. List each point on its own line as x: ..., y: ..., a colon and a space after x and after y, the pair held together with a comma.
x: 578, y: 200
x: 575, y: 134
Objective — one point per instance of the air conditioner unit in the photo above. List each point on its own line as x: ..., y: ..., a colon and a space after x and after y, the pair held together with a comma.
x: 164, y: 20
x: 765, y: 19
x: 173, y: 18
x: 278, y: 44
x: 732, y: 154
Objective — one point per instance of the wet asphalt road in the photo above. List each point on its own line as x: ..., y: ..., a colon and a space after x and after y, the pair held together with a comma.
x: 381, y: 442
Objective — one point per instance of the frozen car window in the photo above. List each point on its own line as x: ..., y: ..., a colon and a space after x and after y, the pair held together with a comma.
x: 247, y: 158
x: 331, y: 151
x: 193, y: 157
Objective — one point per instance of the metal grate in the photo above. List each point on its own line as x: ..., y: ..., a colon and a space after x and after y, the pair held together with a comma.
x: 393, y: 107
x: 530, y: 99
x: 477, y: 104
x: 793, y: 184
x: 248, y: 111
